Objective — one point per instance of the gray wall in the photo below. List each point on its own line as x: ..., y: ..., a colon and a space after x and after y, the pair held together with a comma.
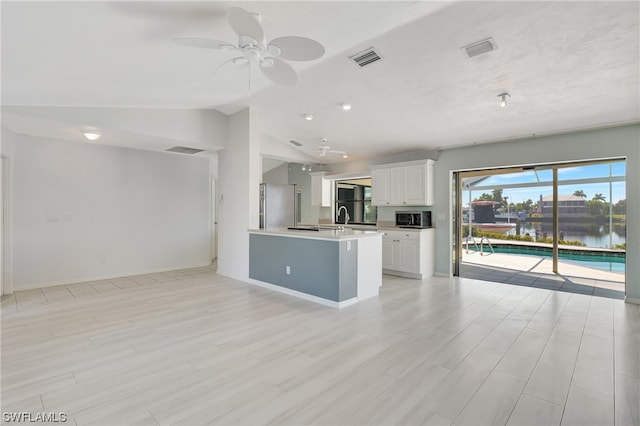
x: 278, y: 175
x: 302, y: 179
x: 623, y: 141
x: 318, y: 267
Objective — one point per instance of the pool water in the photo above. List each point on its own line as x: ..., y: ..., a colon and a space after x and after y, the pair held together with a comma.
x: 603, y: 262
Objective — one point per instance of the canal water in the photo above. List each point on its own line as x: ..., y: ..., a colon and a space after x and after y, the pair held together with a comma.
x: 590, y: 234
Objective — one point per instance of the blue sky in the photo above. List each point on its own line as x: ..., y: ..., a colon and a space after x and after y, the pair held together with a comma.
x: 517, y: 195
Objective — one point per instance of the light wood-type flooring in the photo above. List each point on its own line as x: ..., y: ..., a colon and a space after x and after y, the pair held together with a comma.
x: 194, y: 347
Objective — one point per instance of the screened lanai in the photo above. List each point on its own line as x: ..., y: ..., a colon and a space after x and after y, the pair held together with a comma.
x: 559, y: 226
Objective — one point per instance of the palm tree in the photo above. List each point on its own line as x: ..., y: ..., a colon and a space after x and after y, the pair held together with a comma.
x: 599, y: 197
x: 580, y: 193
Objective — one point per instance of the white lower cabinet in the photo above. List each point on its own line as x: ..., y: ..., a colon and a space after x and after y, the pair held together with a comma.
x: 408, y: 253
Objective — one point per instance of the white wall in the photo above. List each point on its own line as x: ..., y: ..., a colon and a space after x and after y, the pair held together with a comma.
x: 274, y: 148
x: 239, y: 176
x: 84, y: 212
x: 621, y: 141
x: 7, y: 148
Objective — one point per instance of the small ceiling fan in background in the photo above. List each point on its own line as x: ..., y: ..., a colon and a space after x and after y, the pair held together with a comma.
x: 253, y: 48
x: 325, y: 149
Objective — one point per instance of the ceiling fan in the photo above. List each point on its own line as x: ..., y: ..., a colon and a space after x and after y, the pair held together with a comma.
x: 325, y: 149
x: 253, y: 48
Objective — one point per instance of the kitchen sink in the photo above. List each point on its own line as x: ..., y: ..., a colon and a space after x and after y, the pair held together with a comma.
x: 304, y: 228
x: 317, y: 228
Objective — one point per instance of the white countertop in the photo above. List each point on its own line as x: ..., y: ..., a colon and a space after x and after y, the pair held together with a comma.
x: 398, y: 228
x: 323, y: 234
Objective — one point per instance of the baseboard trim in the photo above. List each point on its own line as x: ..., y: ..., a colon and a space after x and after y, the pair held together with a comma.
x: 305, y: 296
x: 442, y: 274
x: 633, y: 300
x: 33, y: 286
x: 403, y: 274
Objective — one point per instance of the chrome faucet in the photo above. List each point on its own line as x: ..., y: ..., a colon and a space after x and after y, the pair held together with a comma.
x: 346, y: 213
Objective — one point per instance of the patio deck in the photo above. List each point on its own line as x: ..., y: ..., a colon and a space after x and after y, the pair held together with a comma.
x: 536, y: 271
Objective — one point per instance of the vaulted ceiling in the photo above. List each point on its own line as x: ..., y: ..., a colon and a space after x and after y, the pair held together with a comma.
x: 566, y: 65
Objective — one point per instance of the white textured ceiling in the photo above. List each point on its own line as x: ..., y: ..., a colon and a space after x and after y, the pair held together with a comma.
x: 567, y: 66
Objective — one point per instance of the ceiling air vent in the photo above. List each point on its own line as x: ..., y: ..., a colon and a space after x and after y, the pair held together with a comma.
x: 184, y: 150
x: 480, y: 47
x: 296, y: 143
x: 366, y: 57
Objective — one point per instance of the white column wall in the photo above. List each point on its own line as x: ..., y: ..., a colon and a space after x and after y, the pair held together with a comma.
x: 239, y: 176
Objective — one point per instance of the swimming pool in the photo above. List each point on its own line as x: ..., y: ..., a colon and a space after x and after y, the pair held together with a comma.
x: 613, y: 262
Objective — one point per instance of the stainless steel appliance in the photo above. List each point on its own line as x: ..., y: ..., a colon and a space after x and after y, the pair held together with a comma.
x: 277, y: 206
x: 413, y: 219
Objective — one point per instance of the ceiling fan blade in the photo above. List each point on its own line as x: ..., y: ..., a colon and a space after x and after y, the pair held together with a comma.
x: 203, y: 42
x: 244, y: 23
x: 280, y: 72
x: 295, y: 48
x: 238, y: 60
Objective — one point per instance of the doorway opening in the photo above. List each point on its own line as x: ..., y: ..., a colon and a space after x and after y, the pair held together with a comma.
x: 214, y: 221
x: 556, y: 226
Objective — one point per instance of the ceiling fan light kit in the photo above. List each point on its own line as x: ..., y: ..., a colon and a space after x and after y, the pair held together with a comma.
x: 324, y: 149
x: 253, y: 47
x: 503, y: 99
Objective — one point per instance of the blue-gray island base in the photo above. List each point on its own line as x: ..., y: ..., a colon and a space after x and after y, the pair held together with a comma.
x: 331, y: 268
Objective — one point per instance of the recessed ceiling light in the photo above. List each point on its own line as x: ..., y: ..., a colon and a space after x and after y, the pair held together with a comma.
x: 92, y: 135
x: 345, y: 155
x: 345, y: 106
x: 308, y: 116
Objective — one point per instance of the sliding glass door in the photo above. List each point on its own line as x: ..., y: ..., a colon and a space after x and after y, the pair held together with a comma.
x: 565, y: 219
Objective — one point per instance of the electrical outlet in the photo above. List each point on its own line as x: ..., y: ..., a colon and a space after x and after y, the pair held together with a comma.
x: 288, y: 270
x: 348, y: 245
x: 52, y: 217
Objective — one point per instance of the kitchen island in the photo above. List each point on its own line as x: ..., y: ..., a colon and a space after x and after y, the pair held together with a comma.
x: 329, y: 266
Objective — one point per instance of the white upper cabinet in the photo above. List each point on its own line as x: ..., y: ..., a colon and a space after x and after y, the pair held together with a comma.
x: 400, y: 184
x: 380, y: 186
x: 397, y: 186
x: 320, y: 190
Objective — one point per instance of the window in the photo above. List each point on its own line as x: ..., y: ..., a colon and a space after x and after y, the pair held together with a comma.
x: 355, y: 196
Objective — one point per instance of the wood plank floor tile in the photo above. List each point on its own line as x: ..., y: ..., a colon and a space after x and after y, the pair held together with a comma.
x: 194, y: 347
x: 530, y: 411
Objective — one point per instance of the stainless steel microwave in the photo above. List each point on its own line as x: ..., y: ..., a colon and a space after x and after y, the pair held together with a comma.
x: 413, y: 219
